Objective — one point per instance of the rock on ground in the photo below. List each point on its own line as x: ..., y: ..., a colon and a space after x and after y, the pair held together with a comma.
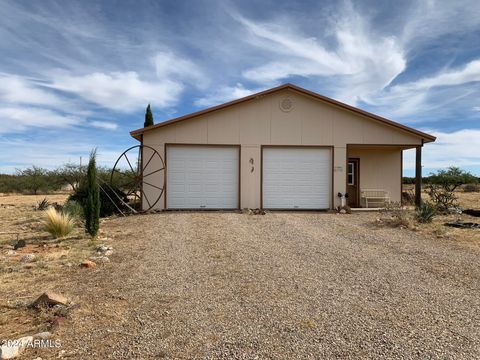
x: 27, y: 258
x: 15, y: 348
x: 88, y: 264
x: 50, y: 299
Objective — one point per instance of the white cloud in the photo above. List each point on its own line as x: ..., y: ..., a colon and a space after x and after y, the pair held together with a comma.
x: 224, y: 94
x: 104, y: 125
x: 450, y: 149
x: 354, y: 60
x: 169, y: 66
x: 16, y: 89
x: 468, y: 73
x: 412, y: 98
x: 119, y: 91
x: 431, y: 19
x: 15, y: 119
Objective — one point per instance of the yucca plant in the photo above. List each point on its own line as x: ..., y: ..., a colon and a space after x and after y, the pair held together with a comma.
x: 58, y: 224
x: 43, y: 205
x: 425, y: 213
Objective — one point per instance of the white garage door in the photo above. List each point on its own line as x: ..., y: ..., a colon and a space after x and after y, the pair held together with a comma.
x: 202, y: 177
x: 297, y: 178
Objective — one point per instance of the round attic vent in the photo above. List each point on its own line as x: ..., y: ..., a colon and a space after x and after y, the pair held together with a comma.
x: 286, y: 104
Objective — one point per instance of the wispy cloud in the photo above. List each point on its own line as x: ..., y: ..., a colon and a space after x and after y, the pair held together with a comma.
x: 224, y: 94
x: 450, y: 149
x: 104, y: 125
x: 173, y: 67
x: 420, y: 96
x: 119, y: 91
x: 354, y: 58
x: 17, y: 119
x: 15, y: 89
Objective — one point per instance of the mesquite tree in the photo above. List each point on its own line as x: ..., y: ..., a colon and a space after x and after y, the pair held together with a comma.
x: 442, y: 185
x: 92, y: 204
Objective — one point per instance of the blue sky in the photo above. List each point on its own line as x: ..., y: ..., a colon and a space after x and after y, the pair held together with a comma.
x: 78, y: 74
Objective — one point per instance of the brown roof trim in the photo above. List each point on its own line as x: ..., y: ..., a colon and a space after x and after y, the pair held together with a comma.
x: 425, y: 136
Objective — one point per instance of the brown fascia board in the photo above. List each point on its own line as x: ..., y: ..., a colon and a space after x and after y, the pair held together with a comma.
x: 426, y: 137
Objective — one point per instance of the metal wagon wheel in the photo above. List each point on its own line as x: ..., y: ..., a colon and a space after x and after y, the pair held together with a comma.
x: 134, y: 174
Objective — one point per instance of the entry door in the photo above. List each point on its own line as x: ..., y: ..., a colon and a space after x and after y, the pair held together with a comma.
x: 353, y: 183
x: 296, y: 178
x: 202, y: 177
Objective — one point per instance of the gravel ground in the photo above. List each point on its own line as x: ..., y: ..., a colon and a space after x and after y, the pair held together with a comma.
x: 279, y: 286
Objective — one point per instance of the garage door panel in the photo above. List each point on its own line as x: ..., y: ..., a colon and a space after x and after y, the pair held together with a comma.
x: 296, y: 178
x: 202, y: 177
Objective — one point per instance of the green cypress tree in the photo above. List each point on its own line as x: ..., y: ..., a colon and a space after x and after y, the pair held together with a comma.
x: 148, y: 117
x: 92, y: 205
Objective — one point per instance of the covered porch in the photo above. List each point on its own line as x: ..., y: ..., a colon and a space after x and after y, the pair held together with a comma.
x: 374, y: 174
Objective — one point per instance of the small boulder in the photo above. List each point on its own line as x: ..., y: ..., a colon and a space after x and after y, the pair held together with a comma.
x: 100, y: 259
x: 108, y: 253
x: 343, y: 211
x: 50, y: 299
x: 14, y: 348
x: 45, y: 335
x: 19, y: 244
x: 10, y: 253
x: 27, y: 258
x: 101, y: 248
x: 88, y: 264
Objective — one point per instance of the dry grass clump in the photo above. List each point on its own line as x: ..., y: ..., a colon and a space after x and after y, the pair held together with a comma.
x: 58, y: 224
x: 395, y: 215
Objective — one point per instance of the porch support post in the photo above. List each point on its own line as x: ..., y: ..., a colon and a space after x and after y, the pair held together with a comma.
x: 418, y: 175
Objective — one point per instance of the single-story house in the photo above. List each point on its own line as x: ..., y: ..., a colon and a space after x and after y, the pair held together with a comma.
x: 283, y: 148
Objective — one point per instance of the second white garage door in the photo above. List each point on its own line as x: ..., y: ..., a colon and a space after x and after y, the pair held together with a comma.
x: 297, y: 178
x: 202, y: 177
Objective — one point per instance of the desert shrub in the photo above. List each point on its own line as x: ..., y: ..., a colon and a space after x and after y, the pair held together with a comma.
x: 9, y: 183
x: 408, y: 197
x: 109, y: 199
x: 71, y: 174
x: 442, y: 185
x: 43, y: 205
x: 425, y: 212
x: 395, y: 215
x: 58, y: 224
x: 74, y: 209
x: 408, y: 180
x: 471, y: 188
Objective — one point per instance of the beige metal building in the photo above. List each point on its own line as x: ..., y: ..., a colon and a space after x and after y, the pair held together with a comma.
x: 283, y: 148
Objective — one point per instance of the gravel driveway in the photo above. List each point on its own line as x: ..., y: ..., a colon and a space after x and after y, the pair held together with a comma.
x: 279, y: 286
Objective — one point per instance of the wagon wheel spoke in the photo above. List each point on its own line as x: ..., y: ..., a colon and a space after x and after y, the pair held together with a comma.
x: 139, y: 161
x: 115, y: 170
x: 146, y: 198
x: 129, y: 164
x: 127, y: 185
x: 148, y: 162
x: 134, y: 187
x: 135, y: 197
x: 153, y: 172
x: 155, y: 186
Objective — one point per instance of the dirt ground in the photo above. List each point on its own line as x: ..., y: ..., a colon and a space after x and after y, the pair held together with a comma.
x: 230, y: 285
